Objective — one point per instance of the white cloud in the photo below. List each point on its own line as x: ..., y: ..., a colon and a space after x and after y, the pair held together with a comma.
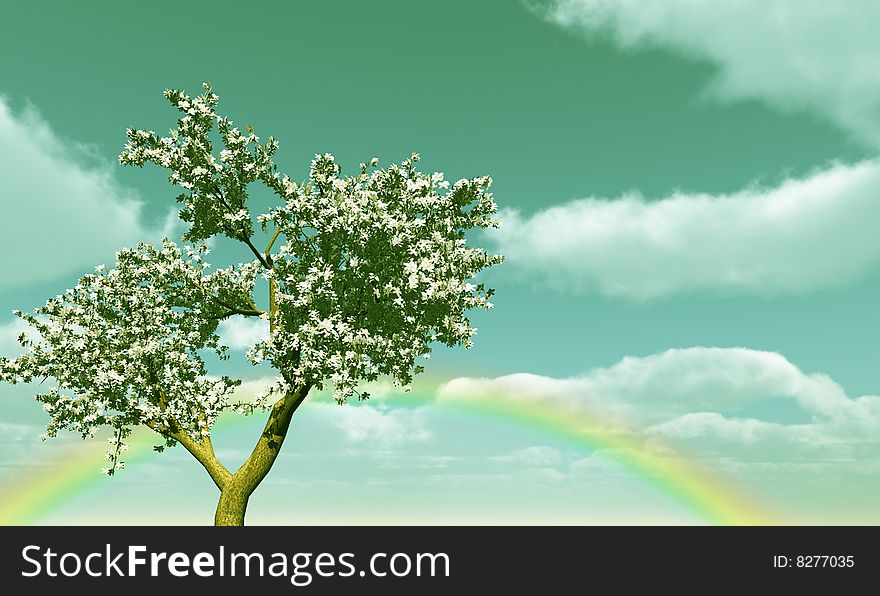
x: 386, y: 428
x: 703, y: 424
x: 13, y: 432
x: 703, y: 396
x: 799, y: 236
x: 9, y: 332
x: 794, y: 54
x: 64, y: 214
x: 360, y: 422
x: 241, y: 333
x: 535, y: 456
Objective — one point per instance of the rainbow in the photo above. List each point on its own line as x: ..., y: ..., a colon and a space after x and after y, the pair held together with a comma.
x: 705, y: 493
x: 54, y: 481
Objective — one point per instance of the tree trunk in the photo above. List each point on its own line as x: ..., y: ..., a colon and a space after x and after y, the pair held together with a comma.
x: 232, y: 505
x: 235, y: 490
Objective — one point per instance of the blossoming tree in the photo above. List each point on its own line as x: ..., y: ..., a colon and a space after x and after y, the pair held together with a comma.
x: 364, y: 273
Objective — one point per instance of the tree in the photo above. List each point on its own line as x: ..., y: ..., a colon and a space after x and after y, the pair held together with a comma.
x: 364, y: 273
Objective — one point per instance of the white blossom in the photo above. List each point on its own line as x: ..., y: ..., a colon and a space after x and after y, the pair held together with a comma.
x: 366, y: 272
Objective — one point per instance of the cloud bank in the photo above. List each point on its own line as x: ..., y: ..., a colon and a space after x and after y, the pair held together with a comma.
x: 61, y: 215
x: 794, y: 54
x: 722, y: 403
x: 800, y: 236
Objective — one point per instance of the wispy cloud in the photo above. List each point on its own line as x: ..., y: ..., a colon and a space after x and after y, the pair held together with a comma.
x: 61, y: 205
x: 723, y: 403
x: 800, y: 236
x: 794, y: 54
x: 535, y: 456
x: 9, y: 333
x: 14, y: 432
x: 241, y: 333
x: 380, y: 427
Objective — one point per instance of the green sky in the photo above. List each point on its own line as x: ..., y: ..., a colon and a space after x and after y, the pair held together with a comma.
x: 732, y: 194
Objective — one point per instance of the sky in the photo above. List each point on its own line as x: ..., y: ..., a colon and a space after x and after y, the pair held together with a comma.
x: 685, y: 325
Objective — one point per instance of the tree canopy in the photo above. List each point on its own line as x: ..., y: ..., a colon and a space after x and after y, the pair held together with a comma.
x: 365, y: 273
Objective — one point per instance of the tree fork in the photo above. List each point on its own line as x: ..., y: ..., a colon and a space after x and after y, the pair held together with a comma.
x: 237, y: 489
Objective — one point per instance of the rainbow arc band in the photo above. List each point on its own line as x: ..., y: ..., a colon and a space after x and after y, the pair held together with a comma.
x: 709, y: 495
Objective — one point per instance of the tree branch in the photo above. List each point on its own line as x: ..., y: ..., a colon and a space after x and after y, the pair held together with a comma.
x: 229, y: 313
x: 203, y: 451
x: 256, y: 252
x: 271, y: 243
x: 240, y: 236
x: 273, y: 305
x: 234, y: 310
x: 260, y: 461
